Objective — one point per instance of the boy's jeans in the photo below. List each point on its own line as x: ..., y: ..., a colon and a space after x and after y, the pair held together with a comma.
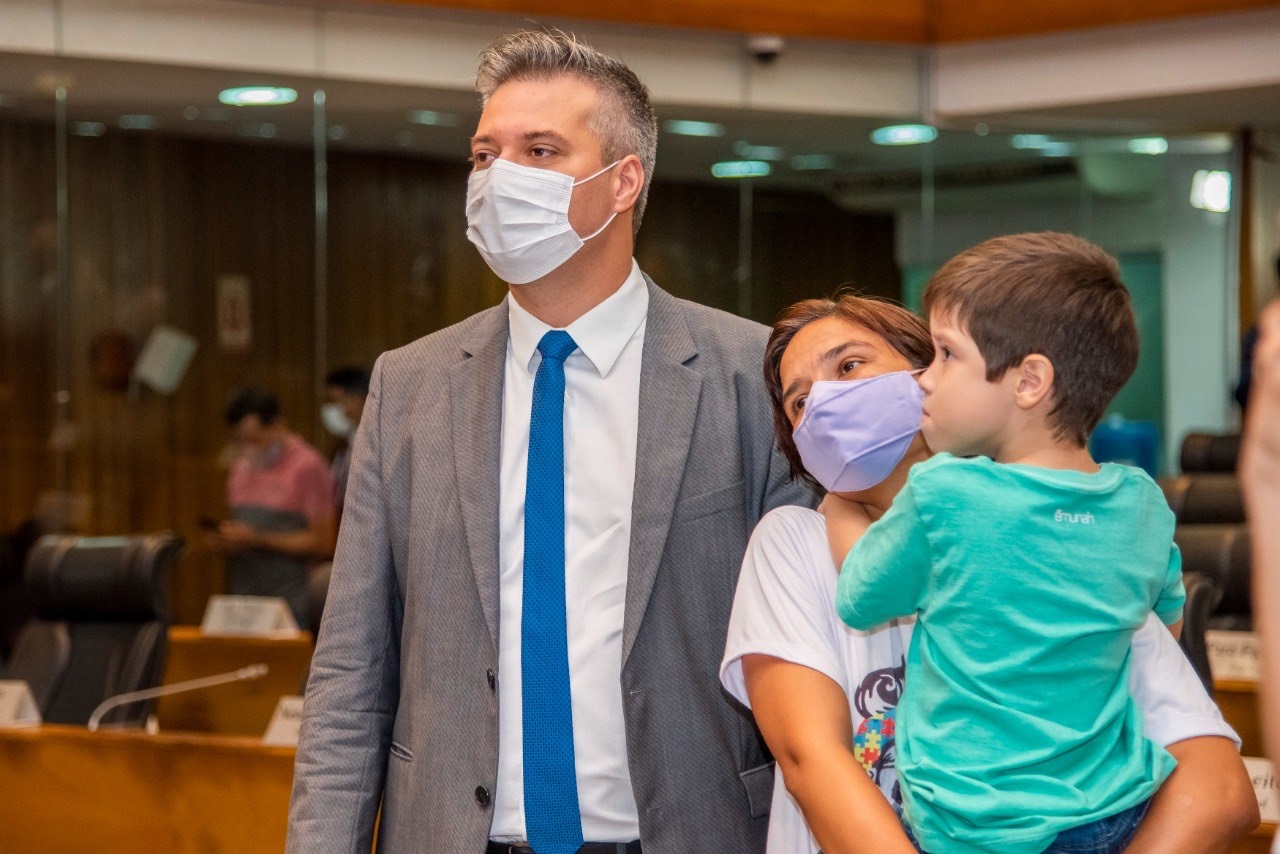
x: 1110, y: 835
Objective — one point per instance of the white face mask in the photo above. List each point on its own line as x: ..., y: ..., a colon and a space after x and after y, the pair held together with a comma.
x: 518, y: 217
x: 335, y: 420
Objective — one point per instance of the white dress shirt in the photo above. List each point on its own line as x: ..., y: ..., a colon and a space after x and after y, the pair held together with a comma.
x: 601, y: 416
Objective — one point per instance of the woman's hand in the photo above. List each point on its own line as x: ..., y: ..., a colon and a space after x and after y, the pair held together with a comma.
x: 847, y: 521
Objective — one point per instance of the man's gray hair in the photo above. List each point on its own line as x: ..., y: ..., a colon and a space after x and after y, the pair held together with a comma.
x: 625, y: 123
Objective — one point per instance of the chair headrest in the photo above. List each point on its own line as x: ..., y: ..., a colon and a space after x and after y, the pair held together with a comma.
x: 103, y: 579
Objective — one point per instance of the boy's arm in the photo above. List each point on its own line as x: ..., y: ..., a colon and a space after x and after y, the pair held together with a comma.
x: 885, y: 574
x: 1174, y: 596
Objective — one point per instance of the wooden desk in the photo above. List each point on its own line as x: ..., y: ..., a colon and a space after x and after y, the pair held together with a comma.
x: 237, y: 708
x: 66, y: 789
x: 1239, y: 704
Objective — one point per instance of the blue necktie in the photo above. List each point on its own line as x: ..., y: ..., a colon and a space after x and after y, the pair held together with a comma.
x: 552, y: 820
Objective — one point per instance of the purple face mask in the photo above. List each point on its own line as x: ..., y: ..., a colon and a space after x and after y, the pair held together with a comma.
x: 854, y: 432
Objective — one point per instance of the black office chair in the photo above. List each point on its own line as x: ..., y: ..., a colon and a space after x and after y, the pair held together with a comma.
x: 101, y: 624
x: 1204, y: 499
x: 1203, y: 597
x: 1222, y: 553
x: 1209, y: 452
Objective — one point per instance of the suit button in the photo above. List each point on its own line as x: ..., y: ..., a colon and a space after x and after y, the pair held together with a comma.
x: 493, y: 680
x: 482, y: 796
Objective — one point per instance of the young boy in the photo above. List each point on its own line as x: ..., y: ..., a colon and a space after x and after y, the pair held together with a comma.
x: 1029, y: 565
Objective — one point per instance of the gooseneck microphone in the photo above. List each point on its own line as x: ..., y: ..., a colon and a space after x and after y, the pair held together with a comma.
x: 253, y: 671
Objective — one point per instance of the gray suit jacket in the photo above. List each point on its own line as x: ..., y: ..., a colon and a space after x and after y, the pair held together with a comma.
x: 401, y: 707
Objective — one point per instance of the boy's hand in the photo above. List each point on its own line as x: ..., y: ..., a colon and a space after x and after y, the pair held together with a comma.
x: 847, y: 521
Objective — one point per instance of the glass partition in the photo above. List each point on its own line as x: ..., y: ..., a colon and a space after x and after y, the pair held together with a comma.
x: 284, y: 232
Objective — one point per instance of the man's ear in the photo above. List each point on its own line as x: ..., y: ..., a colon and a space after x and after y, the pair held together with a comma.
x: 629, y: 182
x: 1034, y: 381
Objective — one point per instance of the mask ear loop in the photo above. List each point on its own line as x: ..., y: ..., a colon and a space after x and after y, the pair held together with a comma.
x: 596, y: 233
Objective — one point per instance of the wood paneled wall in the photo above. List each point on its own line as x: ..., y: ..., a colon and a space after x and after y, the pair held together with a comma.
x: 155, y: 221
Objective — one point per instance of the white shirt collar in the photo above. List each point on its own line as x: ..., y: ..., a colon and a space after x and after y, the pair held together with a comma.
x: 600, y: 334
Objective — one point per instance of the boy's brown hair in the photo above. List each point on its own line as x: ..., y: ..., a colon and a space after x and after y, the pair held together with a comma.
x: 1051, y: 294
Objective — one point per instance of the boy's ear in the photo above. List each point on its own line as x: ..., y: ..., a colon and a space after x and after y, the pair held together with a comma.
x: 1035, y: 381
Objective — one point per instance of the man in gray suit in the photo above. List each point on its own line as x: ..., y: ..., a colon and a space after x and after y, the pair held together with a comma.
x: 548, y: 507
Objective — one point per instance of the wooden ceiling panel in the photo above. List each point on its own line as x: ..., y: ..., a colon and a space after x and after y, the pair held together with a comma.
x: 975, y: 20
x: 894, y: 21
x: 891, y: 21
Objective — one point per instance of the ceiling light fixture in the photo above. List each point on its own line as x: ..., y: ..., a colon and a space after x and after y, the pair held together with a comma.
x: 1211, y: 191
x: 741, y: 169
x: 688, y: 127
x: 904, y: 134
x: 1148, y: 145
x: 257, y: 96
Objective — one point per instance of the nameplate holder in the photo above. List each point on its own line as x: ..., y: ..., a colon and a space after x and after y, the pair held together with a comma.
x: 285, y: 723
x: 258, y: 616
x: 17, y: 705
x: 1263, y: 776
x: 1233, y: 656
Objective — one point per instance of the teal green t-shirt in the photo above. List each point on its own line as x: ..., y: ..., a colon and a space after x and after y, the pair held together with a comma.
x: 1016, y: 722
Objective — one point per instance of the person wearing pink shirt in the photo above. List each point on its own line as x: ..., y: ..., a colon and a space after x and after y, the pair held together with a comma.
x: 280, y: 499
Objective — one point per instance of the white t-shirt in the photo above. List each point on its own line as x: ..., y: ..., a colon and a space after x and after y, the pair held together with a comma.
x: 785, y: 608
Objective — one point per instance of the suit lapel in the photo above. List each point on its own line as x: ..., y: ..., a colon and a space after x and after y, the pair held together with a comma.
x: 475, y: 387
x: 669, y: 393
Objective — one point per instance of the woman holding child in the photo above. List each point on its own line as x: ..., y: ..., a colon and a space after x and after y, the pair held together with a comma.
x: 826, y: 696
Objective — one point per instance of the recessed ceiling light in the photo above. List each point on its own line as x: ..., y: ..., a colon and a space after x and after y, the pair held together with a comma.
x: 741, y: 169
x: 405, y: 138
x: 337, y: 132
x: 806, y: 162
x: 1149, y: 145
x: 88, y: 128
x: 257, y: 96
x: 1057, y: 149
x: 1211, y: 191
x: 981, y: 129
x: 687, y: 127
x: 191, y: 114
x: 904, y: 134
x: 433, y: 118
x: 138, y: 122
x: 1032, y: 141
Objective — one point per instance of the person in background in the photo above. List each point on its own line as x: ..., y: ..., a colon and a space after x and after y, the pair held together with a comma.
x: 548, y: 507
x: 1260, y: 482
x: 826, y: 696
x: 280, y: 500
x: 346, y: 390
x: 1248, y: 346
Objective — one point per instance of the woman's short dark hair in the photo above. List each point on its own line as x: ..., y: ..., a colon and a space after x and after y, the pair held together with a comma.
x: 900, y: 329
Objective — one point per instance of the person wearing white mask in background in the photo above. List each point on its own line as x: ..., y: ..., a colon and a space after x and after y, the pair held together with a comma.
x: 346, y: 390
x: 546, y: 516
x: 847, y: 412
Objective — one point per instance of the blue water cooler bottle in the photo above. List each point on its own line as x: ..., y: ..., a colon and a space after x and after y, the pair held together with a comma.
x: 1132, y: 443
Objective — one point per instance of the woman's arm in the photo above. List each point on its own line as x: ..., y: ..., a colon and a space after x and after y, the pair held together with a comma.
x: 806, y: 722
x: 1206, y: 804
